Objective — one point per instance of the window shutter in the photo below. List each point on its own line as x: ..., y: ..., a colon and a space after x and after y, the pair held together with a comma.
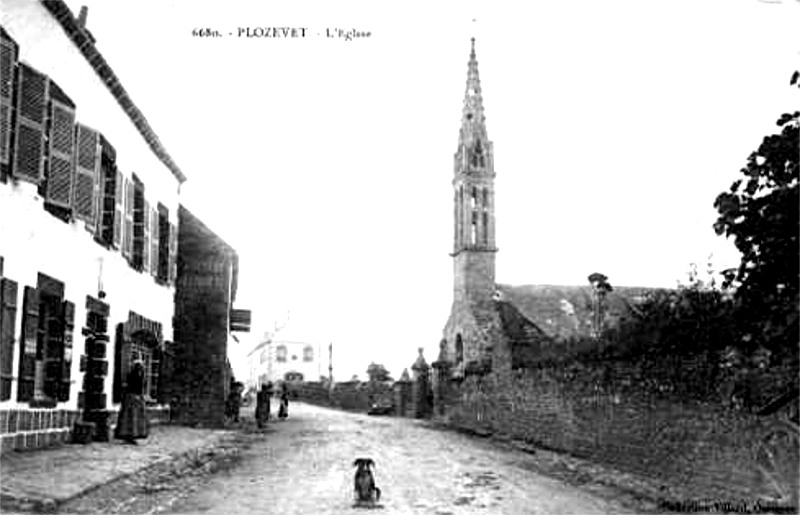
x: 8, y: 64
x: 8, y: 313
x: 173, y: 253
x: 146, y: 237
x: 31, y: 106
x: 154, y: 258
x: 119, y: 201
x: 127, y: 238
x: 28, y: 344
x: 87, y: 168
x: 51, y: 318
x: 60, y: 162
x: 106, y: 205
x: 66, y: 362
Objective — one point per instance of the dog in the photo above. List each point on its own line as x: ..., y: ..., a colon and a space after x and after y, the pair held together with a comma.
x: 364, y: 482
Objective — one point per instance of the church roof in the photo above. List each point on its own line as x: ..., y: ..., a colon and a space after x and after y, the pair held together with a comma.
x: 566, y: 311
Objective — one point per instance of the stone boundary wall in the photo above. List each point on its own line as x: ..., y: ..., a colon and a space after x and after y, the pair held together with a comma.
x: 702, y: 449
x: 27, y: 429
x: 350, y: 395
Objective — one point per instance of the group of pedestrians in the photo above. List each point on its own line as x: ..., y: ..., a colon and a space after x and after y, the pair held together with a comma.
x: 132, y: 423
x: 263, y: 403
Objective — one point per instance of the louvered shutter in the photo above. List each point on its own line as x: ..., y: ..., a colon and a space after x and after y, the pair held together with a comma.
x: 31, y: 106
x: 60, y: 162
x: 8, y: 313
x: 127, y: 226
x: 145, y: 231
x: 87, y: 168
x: 119, y: 201
x: 8, y: 64
x: 173, y: 253
x: 28, y: 344
x: 66, y: 361
x: 154, y: 258
x: 52, y: 355
x: 107, y: 194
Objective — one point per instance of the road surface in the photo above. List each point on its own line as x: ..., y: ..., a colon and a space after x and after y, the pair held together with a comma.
x: 304, y: 465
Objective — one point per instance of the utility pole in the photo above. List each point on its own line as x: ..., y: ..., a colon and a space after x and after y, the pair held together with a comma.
x: 330, y: 363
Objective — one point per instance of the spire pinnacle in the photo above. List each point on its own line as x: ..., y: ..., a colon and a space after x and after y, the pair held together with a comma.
x: 472, y: 119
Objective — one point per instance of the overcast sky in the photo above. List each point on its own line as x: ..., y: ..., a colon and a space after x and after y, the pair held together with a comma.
x: 327, y: 163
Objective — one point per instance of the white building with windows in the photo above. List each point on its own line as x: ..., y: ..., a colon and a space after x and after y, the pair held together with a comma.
x: 88, y: 230
x: 281, y: 357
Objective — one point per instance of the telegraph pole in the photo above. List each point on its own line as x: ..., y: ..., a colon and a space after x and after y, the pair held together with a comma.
x: 330, y: 363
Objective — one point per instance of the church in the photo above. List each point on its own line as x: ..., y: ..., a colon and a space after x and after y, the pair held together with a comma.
x: 494, y: 327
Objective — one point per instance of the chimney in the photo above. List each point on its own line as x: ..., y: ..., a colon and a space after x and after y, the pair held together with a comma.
x: 82, y: 17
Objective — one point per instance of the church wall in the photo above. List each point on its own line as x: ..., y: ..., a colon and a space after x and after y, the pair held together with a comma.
x: 702, y: 450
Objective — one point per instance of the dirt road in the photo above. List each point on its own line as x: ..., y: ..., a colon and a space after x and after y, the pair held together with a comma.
x: 304, y: 465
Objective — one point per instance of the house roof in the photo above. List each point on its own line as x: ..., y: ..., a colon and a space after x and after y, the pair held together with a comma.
x: 84, y: 41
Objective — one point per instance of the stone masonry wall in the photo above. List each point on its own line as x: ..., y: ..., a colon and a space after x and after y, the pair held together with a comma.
x: 701, y: 448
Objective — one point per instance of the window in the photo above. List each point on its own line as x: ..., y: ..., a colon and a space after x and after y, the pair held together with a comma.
x: 308, y: 353
x: 280, y: 354
x: 8, y: 64
x: 8, y: 312
x: 459, y: 349
x: 141, y: 211
x: 138, y: 339
x: 161, y: 239
x: 485, y: 228
x: 45, y: 344
x: 110, y: 212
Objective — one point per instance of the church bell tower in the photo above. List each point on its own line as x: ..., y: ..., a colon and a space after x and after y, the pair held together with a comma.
x: 473, y: 200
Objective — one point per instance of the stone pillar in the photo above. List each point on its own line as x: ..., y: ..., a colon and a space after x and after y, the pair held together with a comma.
x: 402, y: 395
x: 421, y: 395
x: 96, y: 349
x: 441, y: 380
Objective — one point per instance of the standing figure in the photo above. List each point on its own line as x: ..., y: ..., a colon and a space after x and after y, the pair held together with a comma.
x: 132, y: 423
x: 262, y: 404
x: 283, y: 411
x: 234, y: 401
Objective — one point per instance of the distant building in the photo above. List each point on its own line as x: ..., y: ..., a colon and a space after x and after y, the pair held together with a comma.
x: 88, y: 231
x: 498, y: 327
x: 277, y: 358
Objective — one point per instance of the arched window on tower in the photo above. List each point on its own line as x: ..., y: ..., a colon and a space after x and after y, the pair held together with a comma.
x: 485, y: 228
x: 485, y: 198
x: 459, y: 349
x: 474, y: 228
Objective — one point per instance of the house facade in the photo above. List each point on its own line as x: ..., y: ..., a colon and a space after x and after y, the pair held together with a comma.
x: 88, y: 231
x: 279, y: 358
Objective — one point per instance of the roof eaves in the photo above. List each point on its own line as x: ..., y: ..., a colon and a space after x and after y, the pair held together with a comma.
x: 63, y: 15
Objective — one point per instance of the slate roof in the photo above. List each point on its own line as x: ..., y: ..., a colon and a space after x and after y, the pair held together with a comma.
x: 566, y: 311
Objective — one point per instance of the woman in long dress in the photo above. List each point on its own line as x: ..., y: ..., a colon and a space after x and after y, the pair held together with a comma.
x: 262, y: 404
x: 132, y: 421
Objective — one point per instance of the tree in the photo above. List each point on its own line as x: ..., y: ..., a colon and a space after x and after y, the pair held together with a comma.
x: 378, y: 373
x: 761, y: 212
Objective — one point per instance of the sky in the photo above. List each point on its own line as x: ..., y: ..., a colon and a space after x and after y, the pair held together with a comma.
x: 327, y: 163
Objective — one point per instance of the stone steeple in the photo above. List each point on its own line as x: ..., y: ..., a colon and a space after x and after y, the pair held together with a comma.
x: 470, y: 331
x: 473, y: 178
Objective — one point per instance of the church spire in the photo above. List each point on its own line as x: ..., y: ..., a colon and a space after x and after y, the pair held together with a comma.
x: 473, y: 179
x: 473, y: 121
